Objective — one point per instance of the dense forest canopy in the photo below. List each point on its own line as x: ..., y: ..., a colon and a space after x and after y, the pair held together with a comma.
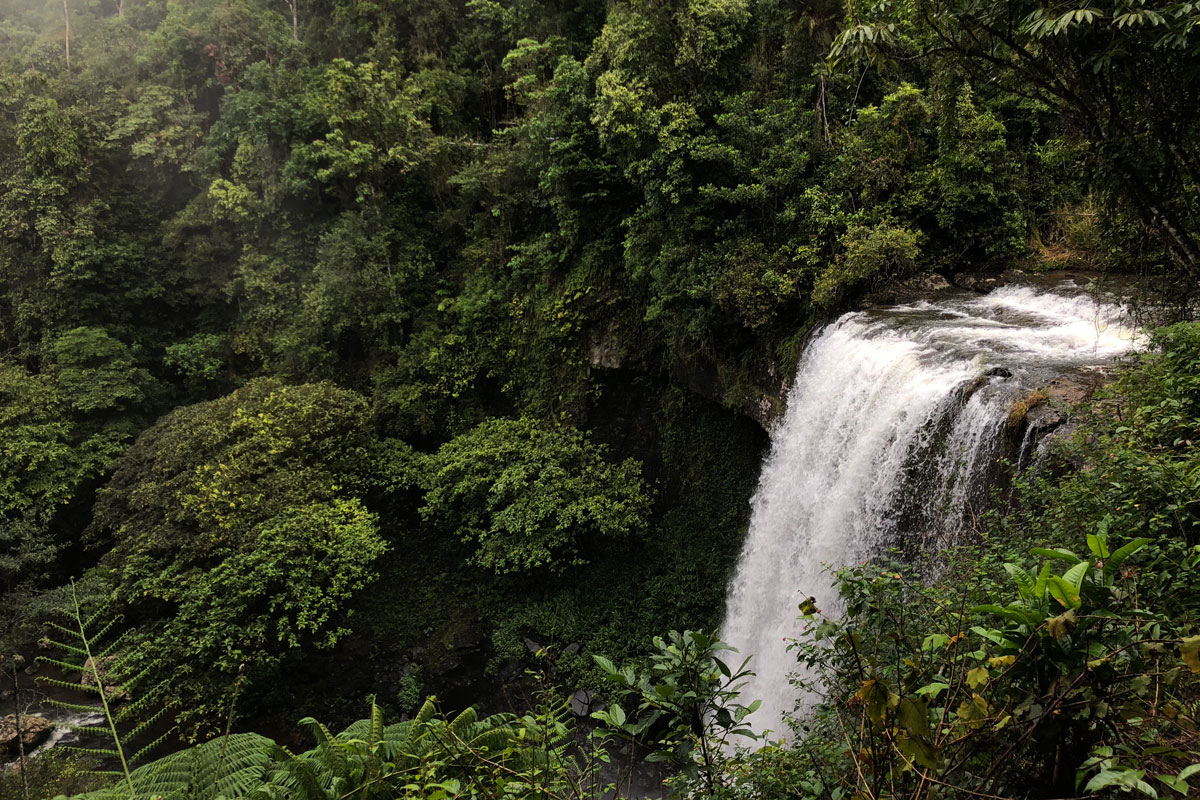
x: 358, y: 347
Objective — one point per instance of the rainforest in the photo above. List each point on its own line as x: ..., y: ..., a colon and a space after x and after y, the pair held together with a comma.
x: 580, y: 399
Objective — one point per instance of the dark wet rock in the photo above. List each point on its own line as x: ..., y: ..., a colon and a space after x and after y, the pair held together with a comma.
x: 917, y: 287
x: 34, y: 731
x: 581, y: 703
x: 1050, y: 419
x: 605, y: 349
x: 985, y: 280
x: 999, y: 372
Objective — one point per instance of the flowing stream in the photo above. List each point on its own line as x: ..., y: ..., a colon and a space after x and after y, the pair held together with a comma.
x: 893, y: 424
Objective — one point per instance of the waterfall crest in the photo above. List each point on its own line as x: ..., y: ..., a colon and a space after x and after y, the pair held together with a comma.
x: 892, y: 424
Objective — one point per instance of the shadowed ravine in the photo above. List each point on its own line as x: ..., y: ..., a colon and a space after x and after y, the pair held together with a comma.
x: 893, y: 421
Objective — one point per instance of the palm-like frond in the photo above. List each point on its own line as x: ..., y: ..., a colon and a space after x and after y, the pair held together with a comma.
x: 369, y: 760
x: 226, y: 767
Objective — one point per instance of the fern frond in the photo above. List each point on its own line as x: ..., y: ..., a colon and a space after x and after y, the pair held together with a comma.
x: 65, y: 666
x: 100, y: 613
x: 79, y: 651
x: 139, y: 705
x: 114, y: 644
x: 318, y: 730
x: 100, y: 634
x: 428, y: 709
x: 228, y: 767
x: 491, y: 741
x: 95, y: 751
x: 149, y: 746
x: 82, y: 708
x: 119, y: 664
x: 301, y: 773
x: 462, y: 724
x: 64, y: 630
x: 145, y: 724
x: 376, y: 727
x: 86, y: 730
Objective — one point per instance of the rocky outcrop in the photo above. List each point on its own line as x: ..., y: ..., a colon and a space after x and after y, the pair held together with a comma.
x: 984, y: 281
x: 922, y: 286
x: 33, y: 731
x: 605, y: 350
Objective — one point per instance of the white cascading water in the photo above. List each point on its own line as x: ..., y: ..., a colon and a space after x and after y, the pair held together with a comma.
x: 893, y: 422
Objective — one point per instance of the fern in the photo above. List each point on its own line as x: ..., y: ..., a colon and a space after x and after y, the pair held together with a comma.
x: 232, y: 766
x: 369, y: 760
x: 105, y: 671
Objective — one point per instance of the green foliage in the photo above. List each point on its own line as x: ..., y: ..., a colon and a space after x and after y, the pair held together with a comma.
x: 872, y: 256
x: 583, y: 215
x: 930, y: 690
x: 686, y: 705
x: 52, y: 773
x: 529, y: 495
x: 239, y: 532
x: 103, y: 665
x: 1137, y: 439
x: 430, y: 756
x: 63, y: 429
x: 1099, y: 66
x: 228, y: 766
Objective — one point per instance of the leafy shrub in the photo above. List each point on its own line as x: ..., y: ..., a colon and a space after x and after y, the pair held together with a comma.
x: 872, y: 256
x: 930, y: 687
x: 62, y: 430
x: 430, y: 757
x: 239, y: 531
x: 530, y: 495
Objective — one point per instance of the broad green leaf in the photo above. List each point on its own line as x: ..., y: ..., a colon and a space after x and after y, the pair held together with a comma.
x: 1076, y: 574
x: 1123, y: 552
x: 913, y: 716
x: 1174, y: 783
x: 1057, y: 554
x: 1025, y: 582
x: 605, y: 664
x: 1065, y: 593
x: 1039, y: 588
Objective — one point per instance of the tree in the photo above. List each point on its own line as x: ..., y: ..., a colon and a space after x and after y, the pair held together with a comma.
x: 1100, y: 65
x: 62, y: 431
x: 531, y: 496
x: 240, y: 531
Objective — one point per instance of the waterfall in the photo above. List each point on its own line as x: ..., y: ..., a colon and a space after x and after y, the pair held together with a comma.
x: 893, y: 423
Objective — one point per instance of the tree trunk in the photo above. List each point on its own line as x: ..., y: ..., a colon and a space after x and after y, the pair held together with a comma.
x: 67, y: 38
x: 22, y: 765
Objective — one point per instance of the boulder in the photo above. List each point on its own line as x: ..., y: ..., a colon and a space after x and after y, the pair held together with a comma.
x: 581, y: 703
x: 921, y: 286
x: 34, y: 731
